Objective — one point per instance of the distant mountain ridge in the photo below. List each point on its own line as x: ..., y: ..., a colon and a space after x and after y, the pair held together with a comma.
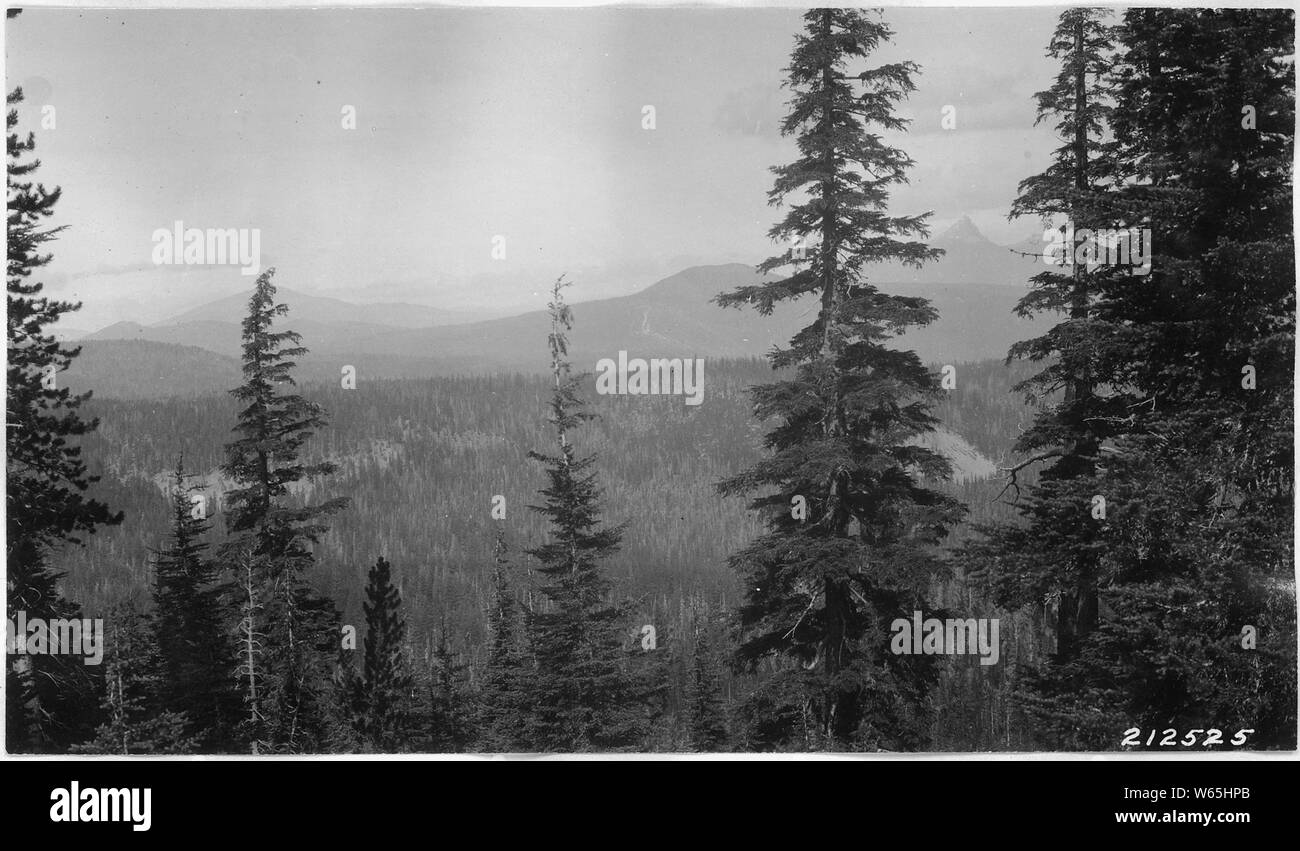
x: 145, y: 369
x: 325, y: 309
x: 972, y: 258
x: 674, y: 317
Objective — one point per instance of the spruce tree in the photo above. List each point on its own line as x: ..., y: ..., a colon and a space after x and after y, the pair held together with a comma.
x: 384, y: 713
x: 189, y: 623
x: 581, y: 697
x: 823, y: 589
x: 46, y: 479
x: 290, y: 632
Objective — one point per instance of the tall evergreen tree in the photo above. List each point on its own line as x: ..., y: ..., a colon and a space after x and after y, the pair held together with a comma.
x: 343, y: 734
x: 707, y: 713
x: 1052, y: 554
x: 450, y: 716
x: 822, y: 591
x: 1203, y: 542
x: 1073, y: 190
x: 45, y: 476
x: 384, y: 713
x: 1195, y: 543
x: 190, y: 626
x: 581, y: 696
x: 502, y: 700
x: 291, y: 632
x: 135, y: 720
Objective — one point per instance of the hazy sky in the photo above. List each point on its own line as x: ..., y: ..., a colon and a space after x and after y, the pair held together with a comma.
x: 472, y: 124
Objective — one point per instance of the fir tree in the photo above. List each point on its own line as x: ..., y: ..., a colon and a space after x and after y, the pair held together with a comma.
x: 581, y: 697
x: 1195, y: 457
x: 45, y: 477
x: 822, y: 590
x: 502, y: 698
x: 1052, y: 555
x: 653, y: 672
x: 1201, y: 543
x: 450, y: 727
x: 708, y: 721
x: 135, y: 720
x: 289, y: 631
x: 343, y: 722
x: 189, y: 624
x: 1074, y: 188
x: 385, y: 687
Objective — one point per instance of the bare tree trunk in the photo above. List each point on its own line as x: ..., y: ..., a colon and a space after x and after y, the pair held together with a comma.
x: 1078, y: 610
x: 251, y: 647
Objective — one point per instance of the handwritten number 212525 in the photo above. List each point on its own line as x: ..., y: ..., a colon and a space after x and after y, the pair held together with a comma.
x: 1170, y: 738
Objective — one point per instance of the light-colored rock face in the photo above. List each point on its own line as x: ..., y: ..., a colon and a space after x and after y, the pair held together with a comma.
x: 378, y: 454
x: 968, y: 463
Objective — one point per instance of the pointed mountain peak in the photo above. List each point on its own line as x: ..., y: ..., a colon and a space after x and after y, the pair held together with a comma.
x: 963, y: 230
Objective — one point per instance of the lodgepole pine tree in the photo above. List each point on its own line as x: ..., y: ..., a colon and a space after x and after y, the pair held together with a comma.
x: 823, y: 588
x: 581, y: 696
x: 45, y: 477
x: 289, y: 633
x: 189, y: 624
x: 502, y: 700
x: 383, y: 694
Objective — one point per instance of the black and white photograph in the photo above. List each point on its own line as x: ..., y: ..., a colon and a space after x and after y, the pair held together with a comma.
x: 706, y: 381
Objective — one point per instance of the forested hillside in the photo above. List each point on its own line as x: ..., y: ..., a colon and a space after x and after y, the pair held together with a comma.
x: 422, y: 460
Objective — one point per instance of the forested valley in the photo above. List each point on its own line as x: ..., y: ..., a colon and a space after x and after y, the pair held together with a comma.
x: 422, y: 460
x: 523, y: 562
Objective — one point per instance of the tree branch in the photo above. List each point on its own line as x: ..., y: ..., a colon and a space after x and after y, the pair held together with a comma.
x: 1013, y: 470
